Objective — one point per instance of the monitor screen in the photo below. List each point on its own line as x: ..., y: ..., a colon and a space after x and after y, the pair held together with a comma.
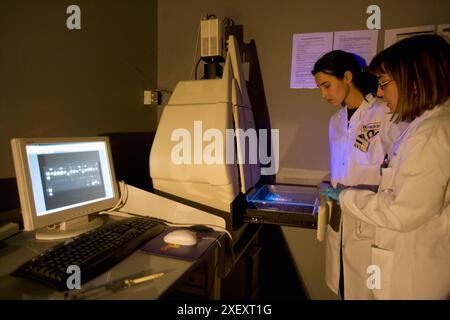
x: 67, y: 175
x: 60, y: 179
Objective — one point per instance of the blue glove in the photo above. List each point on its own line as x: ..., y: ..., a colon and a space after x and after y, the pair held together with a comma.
x: 332, y: 193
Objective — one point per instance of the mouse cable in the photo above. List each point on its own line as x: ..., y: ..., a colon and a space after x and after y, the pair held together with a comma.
x: 115, y: 211
x: 171, y: 224
x: 179, y: 224
x: 123, y: 199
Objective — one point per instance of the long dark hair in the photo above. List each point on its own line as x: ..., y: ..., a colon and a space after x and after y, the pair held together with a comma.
x: 337, y: 62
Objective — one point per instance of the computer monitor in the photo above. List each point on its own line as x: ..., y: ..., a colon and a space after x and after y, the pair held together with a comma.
x: 61, y: 181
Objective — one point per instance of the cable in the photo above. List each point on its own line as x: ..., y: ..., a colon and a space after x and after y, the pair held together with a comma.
x: 122, y: 200
x: 196, y: 66
x: 115, y: 211
x: 120, y: 203
x: 124, y: 197
x: 173, y: 224
x: 162, y: 90
x: 228, y: 22
x: 196, y: 51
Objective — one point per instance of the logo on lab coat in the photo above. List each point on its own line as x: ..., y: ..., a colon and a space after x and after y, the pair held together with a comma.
x: 374, y: 126
x: 368, y: 131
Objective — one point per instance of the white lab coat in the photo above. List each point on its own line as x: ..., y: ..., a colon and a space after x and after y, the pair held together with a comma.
x: 351, y: 167
x: 411, y: 212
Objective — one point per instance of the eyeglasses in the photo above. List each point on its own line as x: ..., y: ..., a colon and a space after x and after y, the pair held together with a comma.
x: 384, y: 84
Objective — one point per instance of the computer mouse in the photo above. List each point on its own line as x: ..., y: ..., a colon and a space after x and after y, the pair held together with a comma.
x: 181, y: 237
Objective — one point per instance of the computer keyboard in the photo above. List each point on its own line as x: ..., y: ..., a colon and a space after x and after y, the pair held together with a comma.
x: 94, y: 252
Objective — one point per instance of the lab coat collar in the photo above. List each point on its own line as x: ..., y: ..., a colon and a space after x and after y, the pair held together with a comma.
x: 443, y: 108
x: 365, y: 105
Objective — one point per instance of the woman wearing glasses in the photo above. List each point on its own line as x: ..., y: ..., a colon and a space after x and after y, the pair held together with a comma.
x: 360, y: 134
x: 411, y: 210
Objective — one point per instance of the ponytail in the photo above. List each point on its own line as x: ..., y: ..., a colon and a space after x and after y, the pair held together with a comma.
x: 337, y: 62
x: 365, y: 82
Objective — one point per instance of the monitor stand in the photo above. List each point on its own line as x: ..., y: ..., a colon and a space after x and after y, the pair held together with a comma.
x: 69, y: 229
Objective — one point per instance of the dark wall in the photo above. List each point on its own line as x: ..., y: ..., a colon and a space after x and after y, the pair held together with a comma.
x: 60, y: 82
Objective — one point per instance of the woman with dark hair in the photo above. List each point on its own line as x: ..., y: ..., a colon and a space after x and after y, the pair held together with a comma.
x: 411, y: 210
x: 360, y: 134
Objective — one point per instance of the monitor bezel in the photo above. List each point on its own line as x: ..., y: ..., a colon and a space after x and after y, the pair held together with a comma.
x: 30, y: 218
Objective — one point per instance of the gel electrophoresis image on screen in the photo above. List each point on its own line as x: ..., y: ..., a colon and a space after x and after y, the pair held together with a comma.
x: 69, y: 178
x: 67, y: 175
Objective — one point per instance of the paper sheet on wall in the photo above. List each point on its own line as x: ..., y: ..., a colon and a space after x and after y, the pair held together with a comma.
x: 307, y: 48
x: 444, y: 31
x: 361, y: 42
x: 392, y: 36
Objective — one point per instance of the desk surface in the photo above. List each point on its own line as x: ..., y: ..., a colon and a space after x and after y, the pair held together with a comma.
x: 20, y: 248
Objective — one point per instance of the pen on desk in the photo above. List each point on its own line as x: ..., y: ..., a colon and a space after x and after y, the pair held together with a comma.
x: 130, y: 282
x: 103, y: 290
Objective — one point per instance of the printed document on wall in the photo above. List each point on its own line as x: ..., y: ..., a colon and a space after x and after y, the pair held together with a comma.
x: 392, y: 36
x: 307, y: 48
x: 360, y: 42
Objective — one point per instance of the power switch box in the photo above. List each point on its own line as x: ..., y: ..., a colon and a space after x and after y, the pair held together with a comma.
x: 152, y: 97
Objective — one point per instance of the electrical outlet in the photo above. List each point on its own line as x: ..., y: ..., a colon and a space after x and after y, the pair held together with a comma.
x: 147, y: 97
x: 152, y: 97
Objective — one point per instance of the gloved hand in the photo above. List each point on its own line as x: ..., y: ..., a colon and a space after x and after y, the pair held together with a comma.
x: 332, y: 193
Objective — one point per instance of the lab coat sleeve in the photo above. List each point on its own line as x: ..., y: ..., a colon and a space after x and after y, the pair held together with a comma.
x: 418, y: 189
